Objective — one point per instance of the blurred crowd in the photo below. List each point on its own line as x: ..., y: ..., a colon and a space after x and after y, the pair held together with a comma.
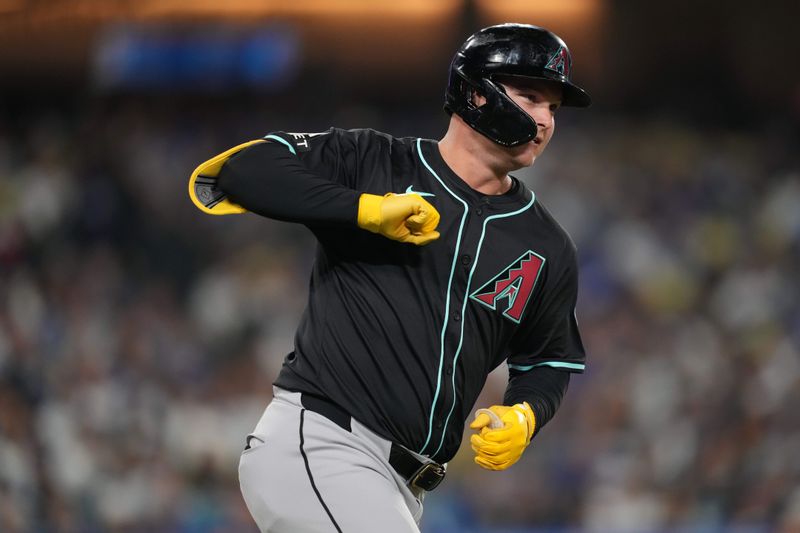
x: 139, y: 337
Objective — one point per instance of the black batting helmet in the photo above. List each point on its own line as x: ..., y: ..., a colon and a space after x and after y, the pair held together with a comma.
x: 513, y: 50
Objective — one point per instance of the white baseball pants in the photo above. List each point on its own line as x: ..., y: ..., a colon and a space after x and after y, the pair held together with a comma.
x: 303, y: 474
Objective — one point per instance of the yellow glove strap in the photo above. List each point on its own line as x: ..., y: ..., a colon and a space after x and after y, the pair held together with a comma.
x: 369, y: 212
x: 203, y: 184
x: 531, y: 418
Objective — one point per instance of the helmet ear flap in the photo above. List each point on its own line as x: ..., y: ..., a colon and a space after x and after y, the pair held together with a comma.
x: 499, y: 118
x: 467, y: 89
x: 472, y: 96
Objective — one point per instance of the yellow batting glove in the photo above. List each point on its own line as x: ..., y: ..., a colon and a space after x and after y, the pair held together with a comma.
x: 400, y: 217
x: 505, y: 432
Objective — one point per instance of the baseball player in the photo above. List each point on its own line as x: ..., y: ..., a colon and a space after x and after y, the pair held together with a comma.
x: 434, y: 266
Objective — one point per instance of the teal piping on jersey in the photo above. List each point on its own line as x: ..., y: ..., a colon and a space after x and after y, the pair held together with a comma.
x: 554, y: 364
x: 282, y: 141
x: 464, y: 305
x: 447, y: 296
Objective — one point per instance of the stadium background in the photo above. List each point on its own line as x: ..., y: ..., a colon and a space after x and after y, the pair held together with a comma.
x: 138, y: 337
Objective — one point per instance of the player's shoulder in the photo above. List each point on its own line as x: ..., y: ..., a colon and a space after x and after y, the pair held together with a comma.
x: 361, y: 137
x: 555, y: 235
x: 368, y: 137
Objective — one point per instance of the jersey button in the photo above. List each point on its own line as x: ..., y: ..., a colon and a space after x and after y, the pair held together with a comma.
x: 465, y: 259
x: 439, y: 424
x: 479, y: 211
x: 449, y: 370
x: 456, y: 316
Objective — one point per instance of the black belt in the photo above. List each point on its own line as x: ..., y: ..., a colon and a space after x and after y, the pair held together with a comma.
x: 418, y: 474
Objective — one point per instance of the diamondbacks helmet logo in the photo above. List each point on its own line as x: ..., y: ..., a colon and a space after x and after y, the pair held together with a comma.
x: 560, y: 62
x: 514, y: 285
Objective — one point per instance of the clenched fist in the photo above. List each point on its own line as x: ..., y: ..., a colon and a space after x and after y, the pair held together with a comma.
x: 505, y: 432
x: 400, y: 217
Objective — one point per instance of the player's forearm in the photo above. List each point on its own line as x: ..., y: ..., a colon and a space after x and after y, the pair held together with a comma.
x: 268, y: 180
x: 542, y: 387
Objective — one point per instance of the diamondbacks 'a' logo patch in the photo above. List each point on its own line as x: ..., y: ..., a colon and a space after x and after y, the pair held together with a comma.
x: 512, y: 288
x: 560, y: 62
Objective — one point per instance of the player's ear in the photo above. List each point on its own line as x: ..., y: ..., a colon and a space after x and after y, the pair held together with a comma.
x: 477, y: 98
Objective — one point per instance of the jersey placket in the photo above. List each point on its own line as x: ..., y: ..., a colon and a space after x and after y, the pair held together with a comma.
x: 465, y: 254
x: 454, y: 330
x: 485, y: 218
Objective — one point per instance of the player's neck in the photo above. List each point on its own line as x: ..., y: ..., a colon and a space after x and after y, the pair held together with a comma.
x: 470, y: 161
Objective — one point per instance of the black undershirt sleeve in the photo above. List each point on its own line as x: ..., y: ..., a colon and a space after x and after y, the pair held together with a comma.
x: 542, y: 387
x: 269, y: 180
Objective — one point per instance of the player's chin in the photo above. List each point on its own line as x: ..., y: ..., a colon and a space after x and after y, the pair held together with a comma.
x: 526, y: 154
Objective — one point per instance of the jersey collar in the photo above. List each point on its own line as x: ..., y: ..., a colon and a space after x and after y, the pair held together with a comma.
x: 517, y: 196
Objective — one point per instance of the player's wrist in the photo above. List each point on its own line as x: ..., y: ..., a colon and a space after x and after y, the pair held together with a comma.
x: 369, y: 212
x: 530, y: 417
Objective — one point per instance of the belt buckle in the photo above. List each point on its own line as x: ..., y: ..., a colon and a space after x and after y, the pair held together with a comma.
x: 428, y: 477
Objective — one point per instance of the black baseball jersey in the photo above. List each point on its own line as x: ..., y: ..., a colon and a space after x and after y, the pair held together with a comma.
x: 402, y: 336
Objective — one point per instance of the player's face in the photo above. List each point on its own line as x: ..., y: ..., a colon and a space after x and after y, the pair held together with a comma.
x: 540, y: 99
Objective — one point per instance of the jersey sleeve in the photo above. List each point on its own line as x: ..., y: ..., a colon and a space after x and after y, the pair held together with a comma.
x: 308, y: 178
x: 550, y: 338
x: 353, y: 158
x: 324, y: 153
